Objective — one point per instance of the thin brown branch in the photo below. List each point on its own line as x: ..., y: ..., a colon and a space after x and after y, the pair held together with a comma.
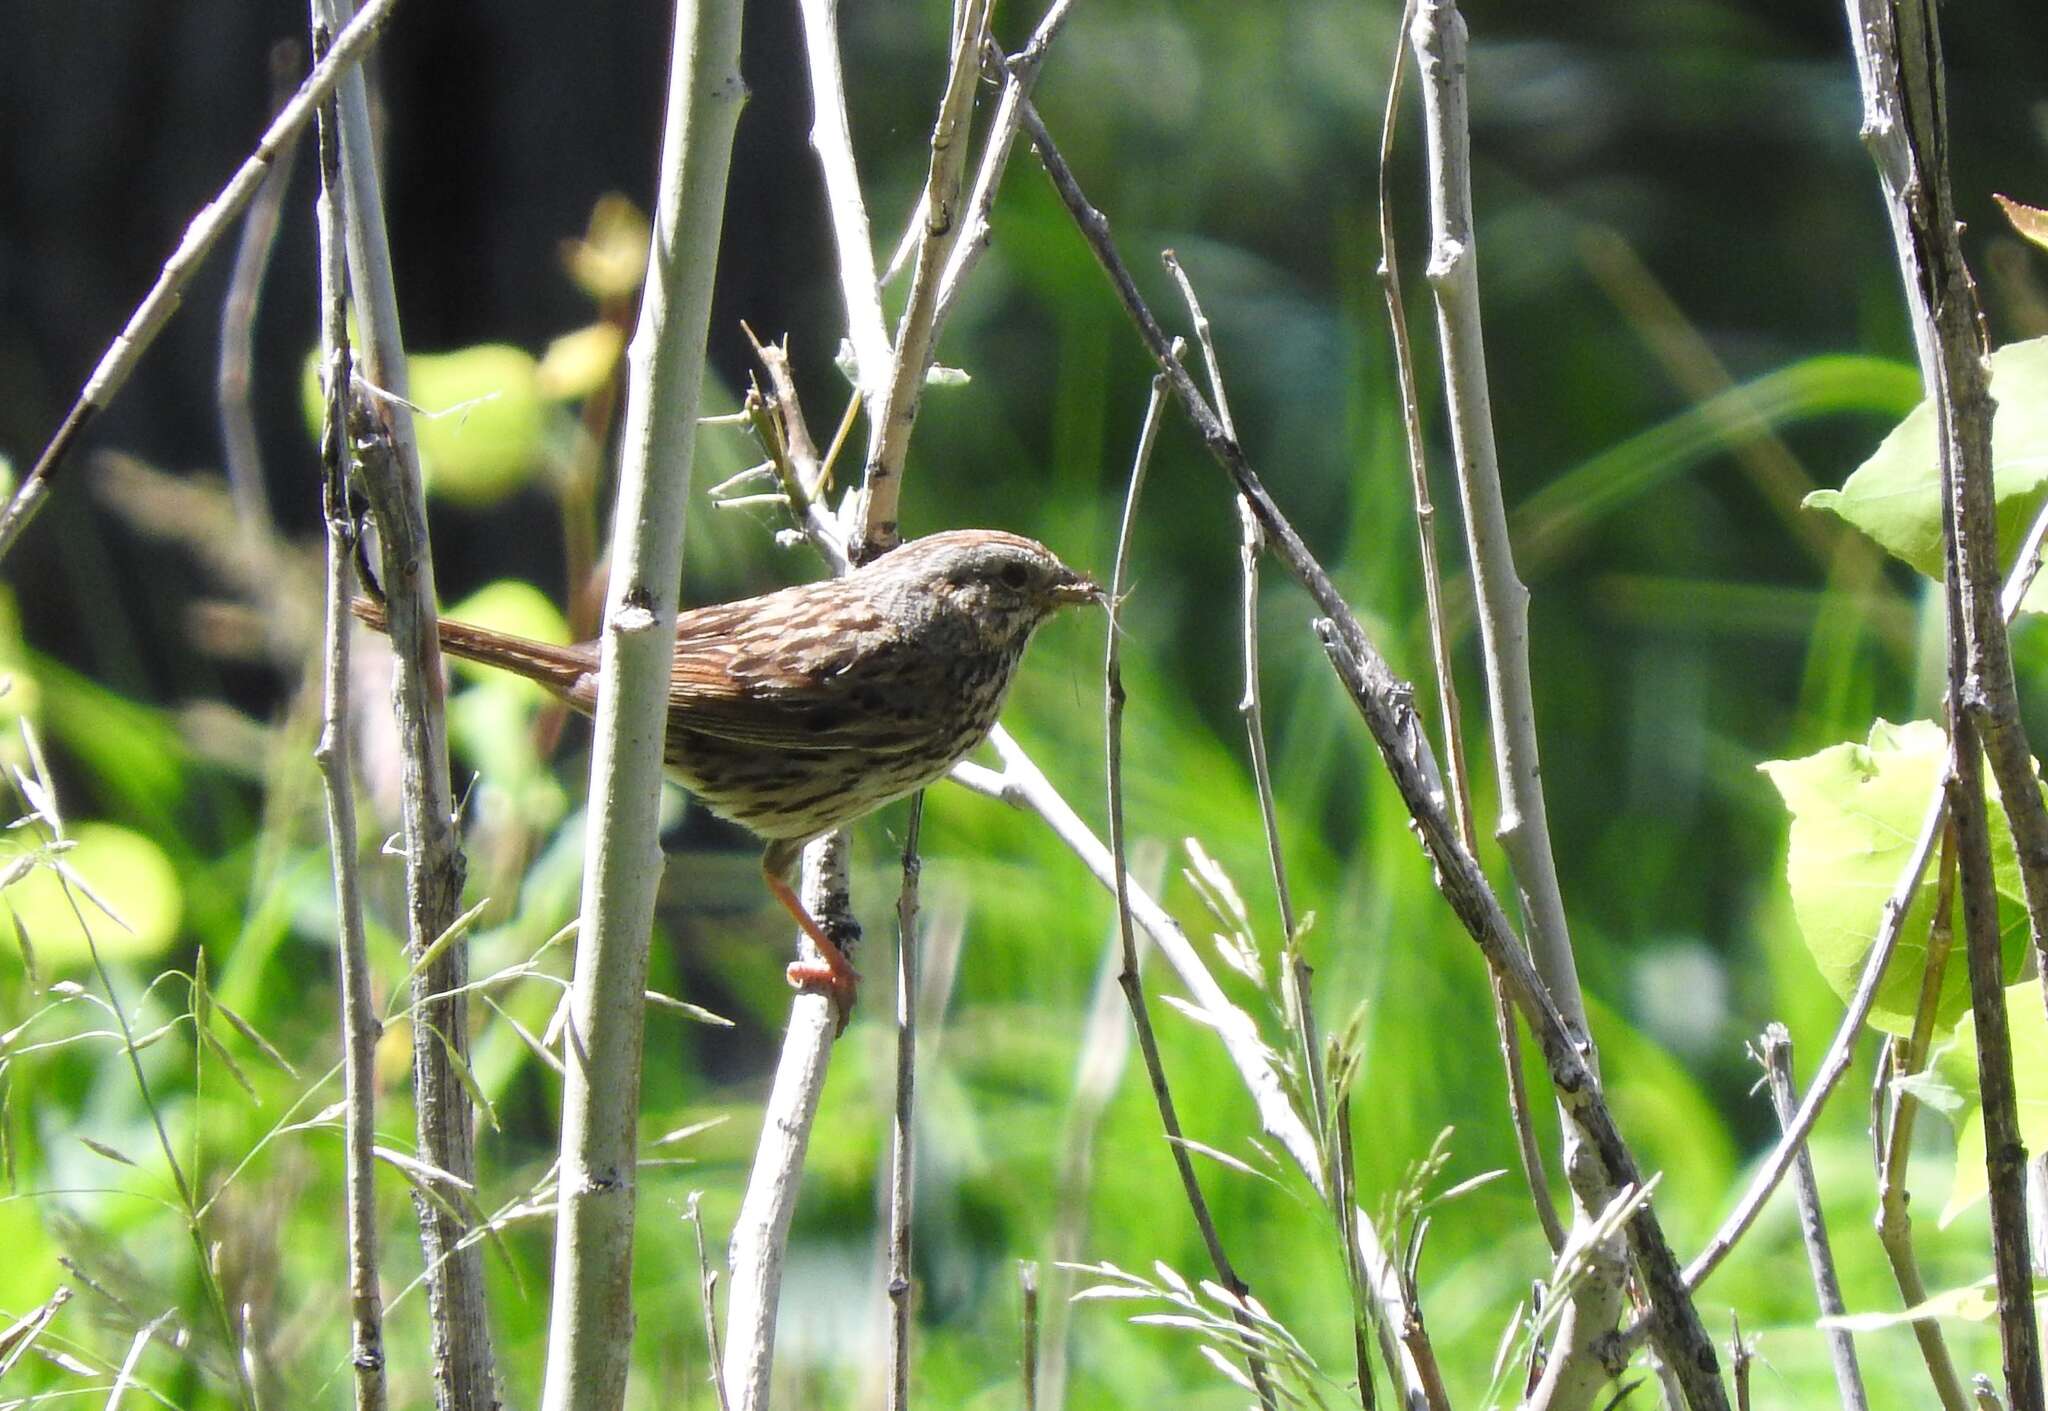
x: 1457, y: 778
x: 1894, y: 1214
x: 1020, y: 77
x: 1027, y: 1282
x: 707, y: 1295
x: 464, y: 1374
x: 891, y: 418
x: 242, y: 454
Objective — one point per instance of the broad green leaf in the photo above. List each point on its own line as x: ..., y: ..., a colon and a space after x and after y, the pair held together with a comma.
x: 125, y: 870
x: 1856, y: 813
x: 1954, y: 1064
x: 1895, y: 496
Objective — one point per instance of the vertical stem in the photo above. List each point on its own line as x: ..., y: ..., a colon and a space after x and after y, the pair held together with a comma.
x: 1129, y: 977
x: 1894, y: 1215
x: 1027, y: 1280
x: 760, y: 1232
x: 900, y: 1170
x: 360, y: 1028
x: 1574, y: 1375
x: 591, y: 1321
x: 243, y: 456
x: 1777, y: 1054
x: 464, y: 1378
x: 1457, y: 774
x: 1898, y: 58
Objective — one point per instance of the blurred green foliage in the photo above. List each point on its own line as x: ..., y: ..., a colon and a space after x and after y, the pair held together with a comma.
x: 1661, y: 417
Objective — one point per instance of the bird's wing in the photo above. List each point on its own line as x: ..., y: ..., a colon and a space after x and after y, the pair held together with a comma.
x: 795, y: 670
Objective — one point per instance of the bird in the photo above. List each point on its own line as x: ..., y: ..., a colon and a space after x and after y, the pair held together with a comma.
x: 800, y: 711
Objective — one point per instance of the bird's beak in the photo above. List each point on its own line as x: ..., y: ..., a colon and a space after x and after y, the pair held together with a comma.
x: 1079, y: 589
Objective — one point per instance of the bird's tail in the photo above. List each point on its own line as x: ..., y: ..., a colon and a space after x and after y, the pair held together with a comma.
x: 560, y: 669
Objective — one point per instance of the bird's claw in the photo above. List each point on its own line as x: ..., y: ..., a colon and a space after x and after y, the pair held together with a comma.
x: 833, y: 976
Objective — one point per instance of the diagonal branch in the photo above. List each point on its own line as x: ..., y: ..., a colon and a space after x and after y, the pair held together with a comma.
x: 213, y: 221
x: 832, y: 138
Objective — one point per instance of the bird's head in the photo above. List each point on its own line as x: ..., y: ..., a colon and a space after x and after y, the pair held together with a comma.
x: 1006, y: 584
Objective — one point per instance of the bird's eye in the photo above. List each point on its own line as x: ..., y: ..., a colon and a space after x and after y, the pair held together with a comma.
x: 1015, y: 575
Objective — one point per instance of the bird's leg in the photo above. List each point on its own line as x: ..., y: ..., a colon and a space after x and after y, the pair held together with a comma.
x: 832, y: 972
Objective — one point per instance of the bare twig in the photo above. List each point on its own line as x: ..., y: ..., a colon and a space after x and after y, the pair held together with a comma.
x: 1777, y: 1056
x: 1898, y: 61
x: 795, y: 457
x: 1573, y: 1374
x: 590, y: 1327
x: 1456, y: 774
x: 1105, y: 1051
x: 1741, y: 1353
x: 205, y: 230
x: 1438, y: 36
x: 1841, y: 1049
x: 1385, y: 703
x: 904, y: 1127
x: 243, y: 456
x: 464, y: 1379
x: 707, y: 1294
x: 359, y: 1026
x: 1129, y: 978
x: 1021, y: 784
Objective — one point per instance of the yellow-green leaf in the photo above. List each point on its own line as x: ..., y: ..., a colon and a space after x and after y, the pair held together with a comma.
x: 1895, y: 496
x: 1856, y: 814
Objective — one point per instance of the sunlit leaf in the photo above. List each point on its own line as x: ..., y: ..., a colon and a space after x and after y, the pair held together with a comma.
x: 1895, y: 496
x: 1856, y: 814
x: 1955, y: 1065
x: 2029, y: 221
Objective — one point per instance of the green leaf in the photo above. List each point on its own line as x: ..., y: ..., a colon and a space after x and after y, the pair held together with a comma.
x: 1954, y: 1064
x: 1856, y: 813
x: 1895, y: 496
